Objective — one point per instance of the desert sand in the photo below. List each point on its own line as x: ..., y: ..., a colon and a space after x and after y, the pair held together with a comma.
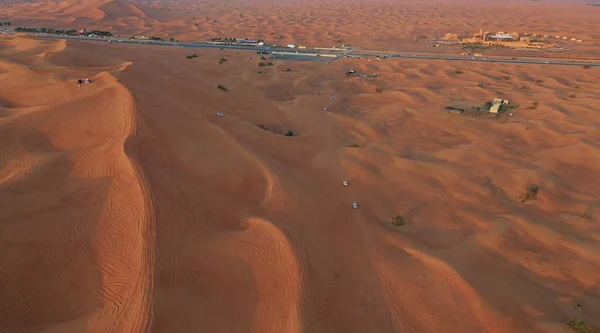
x: 129, y: 206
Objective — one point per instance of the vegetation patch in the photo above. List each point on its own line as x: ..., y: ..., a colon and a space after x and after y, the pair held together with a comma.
x: 269, y: 64
x: 261, y: 64
x: 530, y: 194
x: 354, y: 145
x: 579, y: 326
x: 458, y: 71
x: 533, y: 106
x: 586, y: 66
x: 222, y: 88
x: 289, y: 133
x: 262, y: 126
x: 397, y: 220
x: 379, y: 90
x: 586, y: 216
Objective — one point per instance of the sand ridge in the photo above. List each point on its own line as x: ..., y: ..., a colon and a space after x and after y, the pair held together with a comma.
x: 144, y: 212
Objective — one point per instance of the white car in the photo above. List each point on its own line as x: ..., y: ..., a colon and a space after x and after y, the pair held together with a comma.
x: 219, y: 114
x: 345, y: 182
x: 325, y: 109
x: 354, y: 205
x: 331, y: 98
x: 546, y: 62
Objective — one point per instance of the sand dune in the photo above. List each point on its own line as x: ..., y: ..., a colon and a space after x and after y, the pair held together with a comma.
x: 128, y: 206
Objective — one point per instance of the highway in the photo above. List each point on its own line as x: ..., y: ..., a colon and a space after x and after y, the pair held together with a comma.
x: 354, y: 53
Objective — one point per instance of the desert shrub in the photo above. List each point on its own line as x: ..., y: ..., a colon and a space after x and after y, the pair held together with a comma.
x: 355, y: 145
x: 488, y: 104
x: 523, y: 87
x: 263, y: 58
x: 539, y: 81
x: 533, y: 106
x: 195, y: 55
x: 397, y: 220
x: 189, y: 57
x: 262, y: 64
x: 222, y: 88
x: 223, y: 60
x: 572, y: 96
x: 480, y: 85
x: 270, y: 64
x: 172, y: 39
x: 458, y: 71
x: 378, y: 90
x: 261, y: 126
x: 289, y: 133
x: 579, y: 326
x: 506, y: 77
x: 586, y: 66
x: 530, y: 194
x: 288, y: 70
x: 586, y: 216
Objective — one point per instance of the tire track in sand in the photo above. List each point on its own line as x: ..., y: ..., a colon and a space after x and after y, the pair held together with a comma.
x: 146, y: 282
x: 126, y: 231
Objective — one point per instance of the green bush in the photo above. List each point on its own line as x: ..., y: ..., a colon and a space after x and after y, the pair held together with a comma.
x: 289, y: 133
x: 397, y: 220
x: 488, y: 105
x: 355, y: 145
x: 262, y: 64
x: 530, y: 194
x: 223, y: 60
x: 222, y: 88
x: 579, y: 326
x: 261, y: 126
x: 270, y: 64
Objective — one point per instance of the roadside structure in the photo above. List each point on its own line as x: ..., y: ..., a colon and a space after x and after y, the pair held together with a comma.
x: 497, y: 103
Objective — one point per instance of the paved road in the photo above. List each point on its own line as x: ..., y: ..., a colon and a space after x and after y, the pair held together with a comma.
x: 355, y: 53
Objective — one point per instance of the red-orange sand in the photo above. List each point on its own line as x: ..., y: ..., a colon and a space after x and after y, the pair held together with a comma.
x: 127, y: 205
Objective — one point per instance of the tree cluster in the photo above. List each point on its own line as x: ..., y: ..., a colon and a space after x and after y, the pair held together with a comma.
x: 69, y: 32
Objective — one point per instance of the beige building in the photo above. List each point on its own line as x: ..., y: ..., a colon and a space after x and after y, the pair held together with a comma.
x: 497, y: 103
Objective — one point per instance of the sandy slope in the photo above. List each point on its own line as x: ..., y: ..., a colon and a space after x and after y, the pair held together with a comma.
x: 128, y: 205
